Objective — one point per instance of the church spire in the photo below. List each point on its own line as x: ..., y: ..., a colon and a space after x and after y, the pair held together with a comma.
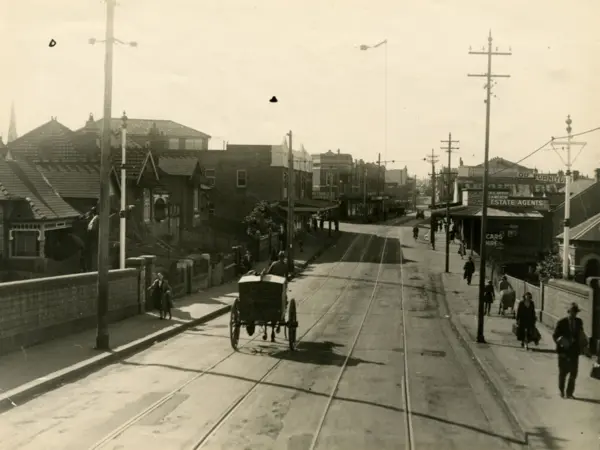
x: 12, y: 128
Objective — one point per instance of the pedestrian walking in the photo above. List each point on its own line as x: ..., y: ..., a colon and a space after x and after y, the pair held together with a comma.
x: 526, y: 319
x: 462, y: 250
x: 571, y: 341
x: 469, y: 270
x: 507, y: 296
x: 488, y: 297
x: 161, y: 296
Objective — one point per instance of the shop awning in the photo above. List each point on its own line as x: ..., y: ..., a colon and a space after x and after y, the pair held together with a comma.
x: 492, y: 213
x: 456, y: 211
x: 500, y: 213
x: 312, y: 206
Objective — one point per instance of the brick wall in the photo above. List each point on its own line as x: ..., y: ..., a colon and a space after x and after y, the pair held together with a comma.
x: 34, y: 311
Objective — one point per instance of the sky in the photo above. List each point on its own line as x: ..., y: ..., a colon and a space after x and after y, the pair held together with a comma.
x: 213, y: 65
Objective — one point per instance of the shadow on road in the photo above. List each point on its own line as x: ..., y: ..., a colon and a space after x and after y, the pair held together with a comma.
x: 322, y: 354
x: 509, y: 439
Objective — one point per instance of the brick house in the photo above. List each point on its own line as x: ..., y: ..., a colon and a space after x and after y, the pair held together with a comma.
x: 183, y: 192
x: 177, y: 136
x: 243, y: 175
x: 35, y: 222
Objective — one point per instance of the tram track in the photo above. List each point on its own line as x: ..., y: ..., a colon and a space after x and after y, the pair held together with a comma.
x: 231, y: 409
x: 405, y: 385
x: 200, y: 443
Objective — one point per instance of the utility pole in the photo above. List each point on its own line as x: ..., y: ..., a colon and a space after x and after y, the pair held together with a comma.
x: 484, y: 203
x: 379, y: 180
x: 365, y: 193
x: 123, y: 214
x: 102, y: 337
x: 449, y: 150
x: 568, y: 180
x: 433, y: 158
x: 290, y: 217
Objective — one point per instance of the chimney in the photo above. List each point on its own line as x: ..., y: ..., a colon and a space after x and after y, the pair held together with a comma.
x: 597, y: 175
x: 575, y: 175
x: 338, y: 151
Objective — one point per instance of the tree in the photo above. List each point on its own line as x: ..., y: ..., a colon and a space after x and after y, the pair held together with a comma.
x: 550, y: 267
x: 260, y: 219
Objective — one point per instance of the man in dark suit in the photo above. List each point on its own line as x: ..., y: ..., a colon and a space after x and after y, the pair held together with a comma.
x: 568, y: 337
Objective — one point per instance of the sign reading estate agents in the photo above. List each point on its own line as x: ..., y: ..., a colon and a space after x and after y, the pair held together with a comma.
x: 539, y: 204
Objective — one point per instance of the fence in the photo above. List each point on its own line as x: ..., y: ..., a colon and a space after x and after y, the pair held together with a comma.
x: 554, y: 297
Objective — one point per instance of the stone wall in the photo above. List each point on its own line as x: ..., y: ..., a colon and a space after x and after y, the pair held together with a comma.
x: 34, y: 311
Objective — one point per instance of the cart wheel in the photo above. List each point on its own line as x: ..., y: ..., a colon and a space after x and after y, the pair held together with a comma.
x: 234, y: 324
x: 292, y: 324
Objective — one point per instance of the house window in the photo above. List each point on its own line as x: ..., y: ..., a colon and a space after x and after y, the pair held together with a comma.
x: 147, y: 205
x: 194, y: 144
x: 241, y: 181
x: 25, y: 244
x: 174, y: 144
x: 196, y: 206
x: 210, y: 176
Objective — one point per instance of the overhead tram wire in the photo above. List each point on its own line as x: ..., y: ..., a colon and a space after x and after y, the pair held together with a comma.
x: 591, y: 130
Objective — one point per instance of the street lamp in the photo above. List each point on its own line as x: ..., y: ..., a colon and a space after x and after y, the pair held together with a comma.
x: 102, y: 336
x: 385, y: 87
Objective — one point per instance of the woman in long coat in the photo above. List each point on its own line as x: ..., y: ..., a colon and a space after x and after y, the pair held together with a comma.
x: 161, y: 295
x: 526, y: 319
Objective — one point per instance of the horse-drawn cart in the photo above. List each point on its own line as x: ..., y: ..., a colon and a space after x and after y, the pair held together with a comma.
x: 263, y: 302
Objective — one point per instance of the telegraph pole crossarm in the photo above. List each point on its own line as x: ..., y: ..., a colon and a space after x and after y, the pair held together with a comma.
x: 484, y: 203
x: 449, y: 149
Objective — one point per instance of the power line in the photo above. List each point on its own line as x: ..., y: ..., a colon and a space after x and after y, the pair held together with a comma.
x: 591, y: 130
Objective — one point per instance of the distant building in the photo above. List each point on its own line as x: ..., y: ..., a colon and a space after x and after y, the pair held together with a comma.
x: 332, y: 174
x: 178, y: 136
x: 398, y: 176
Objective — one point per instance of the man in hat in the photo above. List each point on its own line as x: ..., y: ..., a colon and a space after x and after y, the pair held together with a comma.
x: 568, y: 336
x: 279, y: 267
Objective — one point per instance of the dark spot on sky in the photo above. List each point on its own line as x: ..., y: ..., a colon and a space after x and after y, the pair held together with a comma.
x: 273, y: 99
x: 52, y: 43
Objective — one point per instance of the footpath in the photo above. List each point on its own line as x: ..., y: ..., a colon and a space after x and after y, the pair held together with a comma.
x: 35, y: 370
x: 525, y: 381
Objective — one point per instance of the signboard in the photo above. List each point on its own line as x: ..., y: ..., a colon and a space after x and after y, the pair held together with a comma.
x: 502, y: 199
x: 538, y: 204
x: 495, y: 239
x: 475, y: 197
x: 476, y: 173
x: 543, y: 177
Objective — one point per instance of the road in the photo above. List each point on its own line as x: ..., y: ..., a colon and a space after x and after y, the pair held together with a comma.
x: 377, y: 366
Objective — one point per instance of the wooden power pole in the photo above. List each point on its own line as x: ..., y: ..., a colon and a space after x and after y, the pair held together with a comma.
x: 484, y: 201
x: 449, y: 150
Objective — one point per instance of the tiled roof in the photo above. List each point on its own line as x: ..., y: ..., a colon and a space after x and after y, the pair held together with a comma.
x: 578, y: 186
x: 135, y: 160
x: 52, y: 139
x: 19, y: 180
x: 141, y: 127
x: 504, y: 162
x: 588, y: 230
x: 73, y: 179
x: 178, y: 165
